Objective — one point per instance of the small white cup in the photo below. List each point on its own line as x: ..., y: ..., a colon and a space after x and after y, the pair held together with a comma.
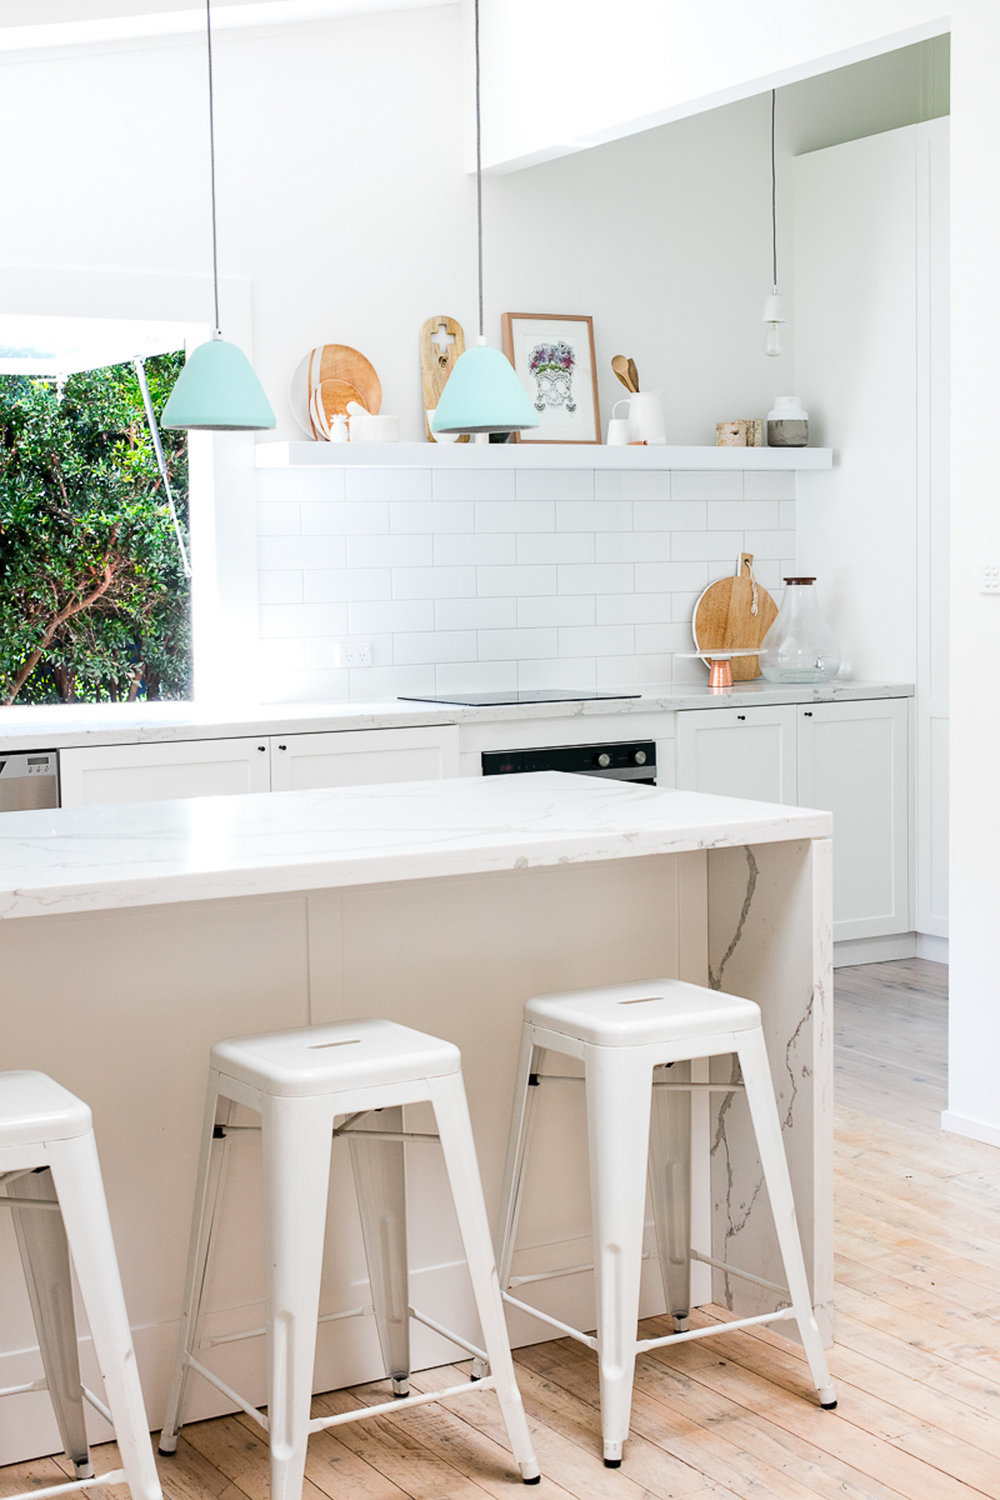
x: 617, y: 432
x: 439, y: 437
x: 367, y: 427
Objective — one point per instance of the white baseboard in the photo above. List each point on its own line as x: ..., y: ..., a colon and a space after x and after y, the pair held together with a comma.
x: 932, y: 947
x: 974, y: 1130
x: 875, y: 950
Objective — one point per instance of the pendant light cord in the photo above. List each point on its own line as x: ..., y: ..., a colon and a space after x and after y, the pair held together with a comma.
x: 479, y: 176
x: 211, y: 158
x: 774, y: 202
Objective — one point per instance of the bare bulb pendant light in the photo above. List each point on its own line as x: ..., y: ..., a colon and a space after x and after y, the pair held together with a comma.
x: 774, y: 305
x: 217, y: 390
x: 483, y: 394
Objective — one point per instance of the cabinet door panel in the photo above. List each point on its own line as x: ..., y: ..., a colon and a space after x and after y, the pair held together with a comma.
x: 738, y: 752
x: 854, y: 762
x: 145, y: 773
x: 363, y: 757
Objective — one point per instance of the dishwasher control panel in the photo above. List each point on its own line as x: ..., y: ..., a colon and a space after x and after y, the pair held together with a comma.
x: 28, y: 779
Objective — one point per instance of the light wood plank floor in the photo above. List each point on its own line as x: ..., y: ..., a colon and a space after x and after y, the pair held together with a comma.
x: 917, y: 1355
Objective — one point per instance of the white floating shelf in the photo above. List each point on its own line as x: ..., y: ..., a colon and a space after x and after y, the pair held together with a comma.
x: 304, y: 454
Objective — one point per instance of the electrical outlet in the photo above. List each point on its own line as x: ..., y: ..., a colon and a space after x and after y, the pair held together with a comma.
x: 989, y: 577
x: 356, y: 654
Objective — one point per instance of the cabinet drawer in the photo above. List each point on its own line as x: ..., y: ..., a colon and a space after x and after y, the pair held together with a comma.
x: 738, y: 752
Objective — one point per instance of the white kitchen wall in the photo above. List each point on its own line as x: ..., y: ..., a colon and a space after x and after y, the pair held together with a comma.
x: 497, y: 579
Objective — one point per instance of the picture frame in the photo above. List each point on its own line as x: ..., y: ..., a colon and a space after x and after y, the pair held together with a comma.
x: 553, y: 357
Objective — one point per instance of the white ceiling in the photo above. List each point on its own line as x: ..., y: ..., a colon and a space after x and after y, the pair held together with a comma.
x: 60, y: 23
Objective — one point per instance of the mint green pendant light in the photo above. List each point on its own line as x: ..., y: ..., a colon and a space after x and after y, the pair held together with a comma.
x: 217, y: 390
x: 483, y: 393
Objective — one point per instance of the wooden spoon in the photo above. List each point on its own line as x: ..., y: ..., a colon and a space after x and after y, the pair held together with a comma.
x: 621, y: 367
x: 633, y: 374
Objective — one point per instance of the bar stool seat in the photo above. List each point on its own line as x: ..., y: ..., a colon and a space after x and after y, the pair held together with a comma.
x: 627, y: 1037
x: 50, y: 1179
x: 301, y: 1083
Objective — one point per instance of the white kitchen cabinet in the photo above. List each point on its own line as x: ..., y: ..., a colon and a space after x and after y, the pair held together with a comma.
x: 362, y: 757
x: 146, y: 773
x: 851, y: 759
x: 223, y: 767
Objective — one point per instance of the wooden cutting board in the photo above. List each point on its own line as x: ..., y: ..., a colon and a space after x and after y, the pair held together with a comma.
x: 734, y: 612
x: 437, y: 360
x: 341, y: 362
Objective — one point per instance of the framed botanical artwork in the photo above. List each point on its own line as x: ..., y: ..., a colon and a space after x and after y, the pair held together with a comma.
x: 553, y: 356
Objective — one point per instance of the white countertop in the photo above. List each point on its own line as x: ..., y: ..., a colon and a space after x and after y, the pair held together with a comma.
x: 140, y: 854
x: 63, y: 725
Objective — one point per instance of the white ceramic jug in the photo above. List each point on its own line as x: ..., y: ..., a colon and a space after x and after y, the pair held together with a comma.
x: 645, y: 417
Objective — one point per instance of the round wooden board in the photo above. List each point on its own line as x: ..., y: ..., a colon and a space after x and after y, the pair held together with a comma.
x: 335, y: 394
x: 341, y: 362
x: 723, y: 617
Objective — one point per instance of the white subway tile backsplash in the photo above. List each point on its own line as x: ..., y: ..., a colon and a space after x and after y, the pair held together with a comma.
x: 475, y: 614
x: 594, y: 515
x: 516, y: 517
x: 280, y: 587
x: 390, y: 551
x: 634, y: 546
x: 345, y: 519
x: 301, y: 552
x: 555, y: 484
x: 389, y: 484
x: 435, y: 646
x: 670, y: 515
x: 431, y: 516
x: 570, y: 609
x: 567, y: 547
x: 737, y: 515
x: 707, y: 484
x: 323, y: 584
x: 595, y: 578
x: 769, y: 484
x: 709, y: 546
x: 487, y: 548
x: 515, y: 581
x: 517, y: 645
x: 474, y: 484
x: 596, y: 640
x: 433, y: 583
x: 390, y: 616
x: 480, y: 579
x: 617, y: 484
x: 276, y: 519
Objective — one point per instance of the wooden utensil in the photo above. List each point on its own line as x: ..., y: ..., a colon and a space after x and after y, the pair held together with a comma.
x: 438, y: 358
x: 734, y: 612
x: 620, y: 365
x: 633, y: 374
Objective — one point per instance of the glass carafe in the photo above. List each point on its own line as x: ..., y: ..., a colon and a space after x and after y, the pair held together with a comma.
x: 800, y: 646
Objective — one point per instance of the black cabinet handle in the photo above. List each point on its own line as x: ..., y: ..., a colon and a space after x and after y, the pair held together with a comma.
x: 807, y: 713
x: 282, y: 747
x: 741, y: 717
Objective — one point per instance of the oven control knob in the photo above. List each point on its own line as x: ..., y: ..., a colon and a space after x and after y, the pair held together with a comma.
x: 604, y: 760
x: 640, y: 757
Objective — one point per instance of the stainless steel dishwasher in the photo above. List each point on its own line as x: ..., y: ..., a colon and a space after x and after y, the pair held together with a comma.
x: 29, y: 778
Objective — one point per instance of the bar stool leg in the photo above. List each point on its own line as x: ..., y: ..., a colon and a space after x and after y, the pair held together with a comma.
x: 759, y: 1087
x: 296, y: 1140
x: 670, y: 1190
x: 452, y: 1114
x: 530, y: 1062
x: 380, y: 1181
x: 618, y: 1116
x: 41, y: 1240
x: 77, y: 1176
x: 212, y: 1160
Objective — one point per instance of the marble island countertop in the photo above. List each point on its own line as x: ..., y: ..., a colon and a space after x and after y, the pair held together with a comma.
x: 61, y: 726
x: 109, y: 857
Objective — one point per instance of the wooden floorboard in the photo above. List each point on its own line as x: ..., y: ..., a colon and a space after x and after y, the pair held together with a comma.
x: 917, y: 1355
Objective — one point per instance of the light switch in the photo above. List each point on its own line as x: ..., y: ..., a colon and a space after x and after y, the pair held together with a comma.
x: 989, y: 577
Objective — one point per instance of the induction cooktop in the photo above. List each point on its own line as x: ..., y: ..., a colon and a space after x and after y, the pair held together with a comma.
x: 525, y: 695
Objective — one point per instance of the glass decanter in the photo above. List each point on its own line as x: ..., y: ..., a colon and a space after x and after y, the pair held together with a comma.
x: 800, y: 646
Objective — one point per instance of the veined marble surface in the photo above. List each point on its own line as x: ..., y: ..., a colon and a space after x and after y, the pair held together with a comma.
x: 138, y: 854
x: 60, y: 726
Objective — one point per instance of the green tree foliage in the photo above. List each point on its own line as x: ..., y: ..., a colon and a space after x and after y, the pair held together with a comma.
x: 94, y: 605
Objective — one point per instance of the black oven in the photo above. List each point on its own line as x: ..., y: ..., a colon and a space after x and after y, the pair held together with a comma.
x: 631, y: 760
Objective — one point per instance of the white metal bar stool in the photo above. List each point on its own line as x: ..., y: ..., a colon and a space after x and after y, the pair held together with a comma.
x: 639, y: 1120
x: 50, y: 1179
x: 299, y: 1083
